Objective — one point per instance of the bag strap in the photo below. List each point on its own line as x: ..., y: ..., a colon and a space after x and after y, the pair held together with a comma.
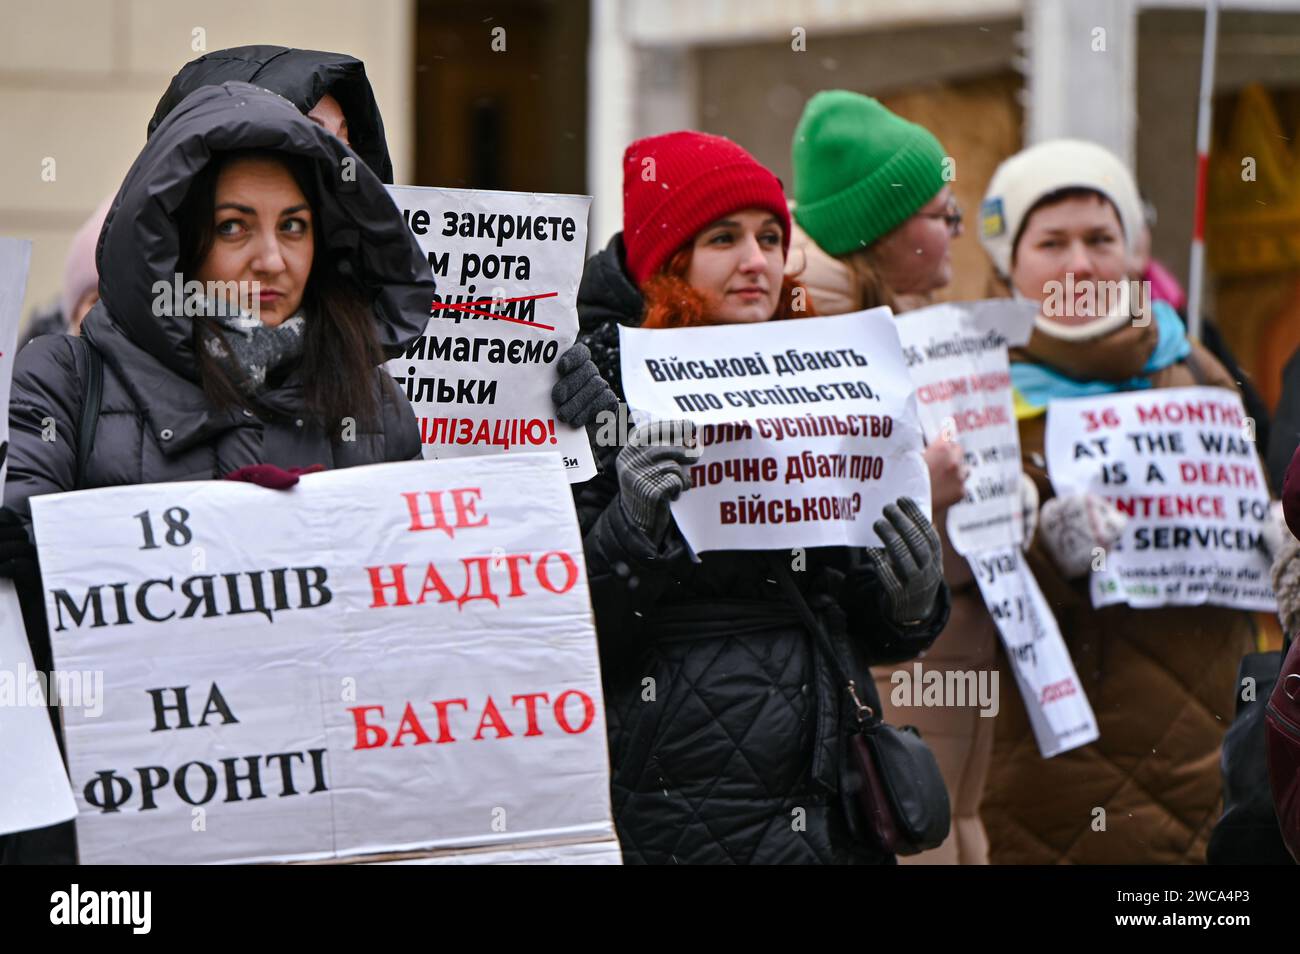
x: 91, y: 401
x: 863, y: 714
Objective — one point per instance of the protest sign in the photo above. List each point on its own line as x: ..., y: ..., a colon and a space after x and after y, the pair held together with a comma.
x: 507, y: 267
x: 1181, y: 464
x: 808, y: 427
x: 957, y: 355
x: 35, y: 790
x: 1058, y: 710
x: 15, y: 257
x: 580, y: 853
x: 397, y: 657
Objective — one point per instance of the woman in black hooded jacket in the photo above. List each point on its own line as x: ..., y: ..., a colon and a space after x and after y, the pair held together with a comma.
x: 332, y: 90
x: 725, y: 722
x: 205, y: 391
x: 185, y: 396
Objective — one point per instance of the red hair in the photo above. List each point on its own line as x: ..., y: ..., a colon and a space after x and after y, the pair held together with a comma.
x: 672, y: 302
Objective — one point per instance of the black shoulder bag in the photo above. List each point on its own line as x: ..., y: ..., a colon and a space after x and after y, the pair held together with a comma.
x: 891, y: 784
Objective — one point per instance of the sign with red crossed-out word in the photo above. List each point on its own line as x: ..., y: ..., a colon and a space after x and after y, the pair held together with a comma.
x: 391, y: 658
x: 507, y: 267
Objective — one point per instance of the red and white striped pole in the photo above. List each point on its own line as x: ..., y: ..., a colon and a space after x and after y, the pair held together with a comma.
x: 1196, y: 271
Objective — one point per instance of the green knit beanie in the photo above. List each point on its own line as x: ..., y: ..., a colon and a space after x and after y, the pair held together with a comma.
x: 859, y: 170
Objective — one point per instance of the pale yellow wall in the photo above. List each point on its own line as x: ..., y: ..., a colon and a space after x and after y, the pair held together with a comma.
x: 79, y: 80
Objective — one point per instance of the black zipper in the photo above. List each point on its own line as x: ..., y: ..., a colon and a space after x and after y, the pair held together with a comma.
x: 1291, y: 726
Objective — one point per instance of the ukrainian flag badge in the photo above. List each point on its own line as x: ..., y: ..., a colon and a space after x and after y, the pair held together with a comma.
x: 992, y: 223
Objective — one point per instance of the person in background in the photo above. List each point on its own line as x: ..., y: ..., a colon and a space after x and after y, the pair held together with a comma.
x: 331, y: 89
x: 80, y: 284
x: 712, y: 769
x: 875, y: 218
x: 44, y: 319
x: 1165, y: 287
x: 1161, y: 681
x: 80, y: 276
x: 1146, y: 267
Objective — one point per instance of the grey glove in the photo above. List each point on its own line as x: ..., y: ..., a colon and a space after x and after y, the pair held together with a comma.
x: 1076, y: 528
x: 653, y: 470
x: 1028, y: 509
x: 1275, y: 533
x: 581, y: 393
x: 910, y: 566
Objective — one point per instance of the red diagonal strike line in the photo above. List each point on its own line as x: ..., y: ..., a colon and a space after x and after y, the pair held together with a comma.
x: 460, y: 306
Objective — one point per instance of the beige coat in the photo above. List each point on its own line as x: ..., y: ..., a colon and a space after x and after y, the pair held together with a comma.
x: 1161, y: 683
x: 962, y: 740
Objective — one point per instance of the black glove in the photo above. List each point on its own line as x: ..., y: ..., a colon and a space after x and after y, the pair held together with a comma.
x: 581, y: 393
x: 910, y: 565
x: 17, y: 552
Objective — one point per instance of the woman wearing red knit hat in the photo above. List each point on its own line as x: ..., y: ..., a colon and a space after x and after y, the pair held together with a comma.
x: 725, y: 724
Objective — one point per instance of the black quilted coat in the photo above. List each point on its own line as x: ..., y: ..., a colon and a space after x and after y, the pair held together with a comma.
x: 724, y: 722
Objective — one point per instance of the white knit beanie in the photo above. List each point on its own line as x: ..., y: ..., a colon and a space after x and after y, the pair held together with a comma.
x: 1048, y: 167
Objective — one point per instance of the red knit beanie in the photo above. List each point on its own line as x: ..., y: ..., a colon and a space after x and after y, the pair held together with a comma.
x: 676, y: 184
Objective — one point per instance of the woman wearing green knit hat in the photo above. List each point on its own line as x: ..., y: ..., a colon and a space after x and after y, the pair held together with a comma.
x: 872, y: 203
x: 875, y: 216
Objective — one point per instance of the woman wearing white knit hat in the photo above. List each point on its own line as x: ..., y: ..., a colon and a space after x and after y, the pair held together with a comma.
x: 1058, y: 220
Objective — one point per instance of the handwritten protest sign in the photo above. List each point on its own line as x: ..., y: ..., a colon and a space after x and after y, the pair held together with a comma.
x: 957, y: 355
x: 34, y: 791
x: 388, y: 658
x: 809, y: 427
x: 1181, y: 464
x: 1058, y: 709
x: 507, y: 267
x: 15, y: 258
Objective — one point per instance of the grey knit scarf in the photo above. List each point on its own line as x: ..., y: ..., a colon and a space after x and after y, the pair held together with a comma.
x: 247, y: 350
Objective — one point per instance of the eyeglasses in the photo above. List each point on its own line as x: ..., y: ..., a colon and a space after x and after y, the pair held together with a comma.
x: 951, y: 217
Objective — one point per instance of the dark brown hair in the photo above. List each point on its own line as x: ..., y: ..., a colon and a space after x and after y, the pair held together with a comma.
x: 672, y: 302
x: 1052, y: 198
x: 341, y: 352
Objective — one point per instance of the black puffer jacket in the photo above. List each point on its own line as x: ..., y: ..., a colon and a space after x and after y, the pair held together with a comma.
x: 155, y: 422
x: 300, y: 76
x: 724, y: 720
